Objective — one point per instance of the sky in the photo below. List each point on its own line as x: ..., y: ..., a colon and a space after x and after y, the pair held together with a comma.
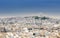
x: 21, y: 7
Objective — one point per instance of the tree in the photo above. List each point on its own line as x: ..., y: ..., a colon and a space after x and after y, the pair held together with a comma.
x: 36, y: 17
x: 43, y: 18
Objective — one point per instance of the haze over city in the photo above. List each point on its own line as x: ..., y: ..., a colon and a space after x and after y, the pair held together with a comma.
x: 29, y: 18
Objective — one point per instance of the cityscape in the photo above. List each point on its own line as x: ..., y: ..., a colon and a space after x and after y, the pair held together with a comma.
x: 29, y: 27
x: 29, y: 18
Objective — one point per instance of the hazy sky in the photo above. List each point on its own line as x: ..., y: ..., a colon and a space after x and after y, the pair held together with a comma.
x: 19, y: 7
